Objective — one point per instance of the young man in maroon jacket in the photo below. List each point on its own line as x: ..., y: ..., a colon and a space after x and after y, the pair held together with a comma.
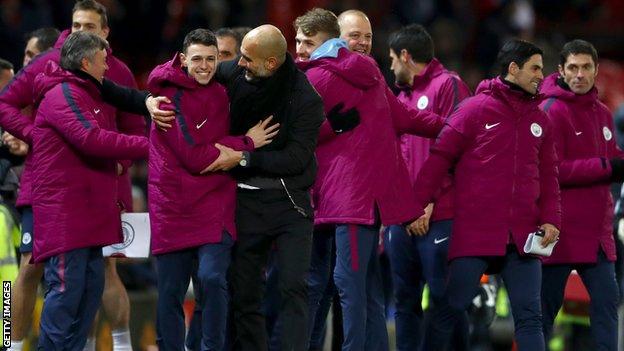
x: 589, y: 161
x: 501, y: 148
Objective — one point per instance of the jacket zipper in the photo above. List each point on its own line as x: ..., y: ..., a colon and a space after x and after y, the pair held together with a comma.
x: 297, y: 207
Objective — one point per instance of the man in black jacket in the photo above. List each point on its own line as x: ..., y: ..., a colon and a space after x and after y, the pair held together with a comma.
x: 273, y: 200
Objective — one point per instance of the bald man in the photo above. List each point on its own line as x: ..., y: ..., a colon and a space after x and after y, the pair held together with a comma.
x: 273, y: 200
x: 356, y: 30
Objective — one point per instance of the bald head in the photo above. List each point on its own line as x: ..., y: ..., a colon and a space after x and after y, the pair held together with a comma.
x: 267, y: 41
x: 263, y: 51
x: 356, y: 30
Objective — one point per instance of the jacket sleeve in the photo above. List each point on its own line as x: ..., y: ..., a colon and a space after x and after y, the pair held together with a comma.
x: 123, y: 98
x: 80, y: 128
x: 444, y: 154
x: 17, y: 95
x: 194, y: 156
x: 550, y: 193
x: 408, y: 120
x: 302, y: 136
x: 575, y: 172
x: 129, y: 123
x: 238, y: 143
x: 226, y: 71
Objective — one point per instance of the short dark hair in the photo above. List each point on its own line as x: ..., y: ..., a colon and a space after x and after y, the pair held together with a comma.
x: 46, y: 37
x: 92, y: 5
x: 518, y: 51
x: 199, y: 36
x: 4, y: 64
x: 415, y: 40
x: 575, y: 47
x: 318, y: 20
x: 80, y: 45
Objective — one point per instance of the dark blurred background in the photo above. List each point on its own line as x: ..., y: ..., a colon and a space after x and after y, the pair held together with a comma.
x: 467, y: 33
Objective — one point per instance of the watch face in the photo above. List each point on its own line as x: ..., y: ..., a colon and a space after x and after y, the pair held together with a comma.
x: 243, y: 163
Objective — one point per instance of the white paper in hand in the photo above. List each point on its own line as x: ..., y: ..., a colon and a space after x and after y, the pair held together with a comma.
x: 533, y: 245
x: 136, y: 233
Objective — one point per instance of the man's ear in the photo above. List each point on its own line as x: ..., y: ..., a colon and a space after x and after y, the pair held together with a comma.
x: 271, y: 63
x: 405, y: 56
x: 513, y: 68
x: 182, y: 58
x: 106, y: 31
x: 85, y: 64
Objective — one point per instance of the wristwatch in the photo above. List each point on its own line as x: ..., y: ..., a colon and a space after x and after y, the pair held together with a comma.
x: 244, y: 162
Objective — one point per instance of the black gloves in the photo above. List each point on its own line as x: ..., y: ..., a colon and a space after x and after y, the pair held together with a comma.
x: 617, y: 170
x: 343, y: 121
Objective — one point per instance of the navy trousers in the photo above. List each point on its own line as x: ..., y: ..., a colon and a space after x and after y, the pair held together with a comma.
x: 599, y: 279
x: 357, y: 277
x: 174, y: 274
x: 416, y: 260
x: 522, y: 276
x: 75, y: 281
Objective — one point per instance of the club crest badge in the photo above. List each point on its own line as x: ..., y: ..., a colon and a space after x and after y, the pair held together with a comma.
x: 536, y: 130
x: 423, y: 102
x: 607, y: 133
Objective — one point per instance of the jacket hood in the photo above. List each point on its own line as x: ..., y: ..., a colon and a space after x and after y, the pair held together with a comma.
x: 553, y: 86
x: 61, y: 39
x: 359, y: 70
x: 507, y: 92
x: 53, y: 74
x: 171, y: 72
x: 432, y: 70
x: 66, y: 33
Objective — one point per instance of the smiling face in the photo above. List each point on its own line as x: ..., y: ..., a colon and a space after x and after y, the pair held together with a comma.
x: 529, y: 76
x: 579, y: 72
x: 96, y: 66
x: 357, y: 32
x: 200, y: 61
x: 305, y: 45
x: 255, y: 65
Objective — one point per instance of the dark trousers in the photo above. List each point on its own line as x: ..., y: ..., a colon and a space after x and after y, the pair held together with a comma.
x: 75, y: 282
x: 193, y: 335
x: 174, y: 274
x: 522, y: 276
x: 357, y: 277
x: 318, y: 283
x: 599, y: 279
x: 265, y: 218
x: 414, y: 261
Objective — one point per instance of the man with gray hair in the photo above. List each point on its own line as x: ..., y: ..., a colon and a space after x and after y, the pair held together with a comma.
x: 74, y: 188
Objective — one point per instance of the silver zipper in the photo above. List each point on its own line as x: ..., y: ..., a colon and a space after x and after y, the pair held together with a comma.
x: 298, y: 208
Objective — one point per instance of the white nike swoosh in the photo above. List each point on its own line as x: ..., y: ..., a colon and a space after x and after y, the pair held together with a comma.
x: 201, y: 124
x: 96, y: 111
x: 578, y: 133
x: 490, y: 126
x: 437, y: 241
